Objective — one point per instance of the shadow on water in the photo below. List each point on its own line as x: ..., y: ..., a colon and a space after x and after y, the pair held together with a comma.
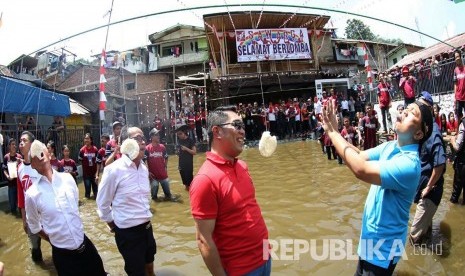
x: 302, y: 196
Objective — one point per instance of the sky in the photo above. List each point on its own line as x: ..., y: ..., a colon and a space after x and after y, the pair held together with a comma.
x: 28, y: 25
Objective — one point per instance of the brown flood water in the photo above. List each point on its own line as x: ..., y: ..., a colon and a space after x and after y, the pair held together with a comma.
x: 302, y: 196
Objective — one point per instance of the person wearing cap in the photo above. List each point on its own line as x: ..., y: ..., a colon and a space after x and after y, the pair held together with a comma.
x: 52, y: 212
x: 393, y: 170
x: 186, y: 150
x: 157, y: 162
x: 407, y: 84
x: 430, y: 189
x: 459, y: 86
x: 112, y: 149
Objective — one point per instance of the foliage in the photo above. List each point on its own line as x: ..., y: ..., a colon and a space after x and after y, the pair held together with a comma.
x: 356, y: 29
x: 82, y: 60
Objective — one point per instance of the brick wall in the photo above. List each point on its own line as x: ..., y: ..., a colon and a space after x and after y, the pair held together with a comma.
x: 128, y: 85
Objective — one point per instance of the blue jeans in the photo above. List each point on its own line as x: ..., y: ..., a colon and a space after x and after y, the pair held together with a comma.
x: 264, y: 270
x: 165, y: 185
x: 89, y: 183
x: 13, y: 198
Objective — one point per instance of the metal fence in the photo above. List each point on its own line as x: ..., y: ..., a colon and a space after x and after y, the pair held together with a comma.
x: 436, y: 79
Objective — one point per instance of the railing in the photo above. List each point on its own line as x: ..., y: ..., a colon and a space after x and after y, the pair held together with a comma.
x: 188, y: 58
x: 436, y: 79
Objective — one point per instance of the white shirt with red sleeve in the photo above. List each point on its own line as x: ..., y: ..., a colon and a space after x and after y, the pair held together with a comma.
x: 26, y: 177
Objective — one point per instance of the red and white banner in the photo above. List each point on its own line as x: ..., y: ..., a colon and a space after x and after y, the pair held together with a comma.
x: 103, y: 99
x: 272, y: 44
x: 368, y: 69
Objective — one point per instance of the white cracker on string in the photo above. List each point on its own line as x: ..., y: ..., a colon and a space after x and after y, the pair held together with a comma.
x: 130, y: 147
x: 267, y: 144
x: 37, y: 148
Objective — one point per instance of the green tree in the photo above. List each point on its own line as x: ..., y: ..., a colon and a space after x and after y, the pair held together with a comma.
x: 356, y: 29
x: 396, y: 41
x: 82, y: 60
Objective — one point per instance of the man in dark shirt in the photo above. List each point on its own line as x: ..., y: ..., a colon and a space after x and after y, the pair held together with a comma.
x: 186, y: 150
x: 430, y: 189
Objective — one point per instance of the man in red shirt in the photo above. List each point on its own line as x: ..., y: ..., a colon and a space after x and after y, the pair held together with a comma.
x: 407, y: 84
x: 231, y: 231
x: 384, y: 99
x: 370, y: 125
x: 459, y: 86
x: 157, y: 162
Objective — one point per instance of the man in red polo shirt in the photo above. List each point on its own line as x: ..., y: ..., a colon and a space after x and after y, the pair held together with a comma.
x: 407, y: 84
x: 459, y: 86
x: 231, y: 231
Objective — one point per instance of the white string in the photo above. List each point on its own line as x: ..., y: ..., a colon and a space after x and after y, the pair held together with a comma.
x: 366, y: 48
x: 292, y: 16
x: 230, y: 18
x: 38, y: 104
x: 260, y: 17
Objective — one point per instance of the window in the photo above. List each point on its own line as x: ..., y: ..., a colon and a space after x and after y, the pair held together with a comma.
x: 171, y: 50
x: 130, y: 86
x: 372, y: 50
x: 394, y: 60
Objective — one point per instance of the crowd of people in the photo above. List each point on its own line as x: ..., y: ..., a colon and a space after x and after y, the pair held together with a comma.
x: 124, y: 174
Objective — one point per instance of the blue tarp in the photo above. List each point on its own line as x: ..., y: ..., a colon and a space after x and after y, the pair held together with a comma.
x: 20, y: 97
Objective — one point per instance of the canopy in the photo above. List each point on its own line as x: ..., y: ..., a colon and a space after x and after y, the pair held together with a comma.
x: 21, y: 97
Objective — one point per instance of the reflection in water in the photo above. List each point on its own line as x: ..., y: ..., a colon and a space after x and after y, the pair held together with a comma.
x: 302, y: 195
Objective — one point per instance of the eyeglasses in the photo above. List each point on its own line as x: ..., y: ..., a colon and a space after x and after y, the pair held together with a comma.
x: 238, y: 125
x: 139, y: 138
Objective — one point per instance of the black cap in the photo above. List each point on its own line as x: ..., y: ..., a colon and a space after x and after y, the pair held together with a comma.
x: 153, y: 132
x: 426, y: 121
x: 183, y: 128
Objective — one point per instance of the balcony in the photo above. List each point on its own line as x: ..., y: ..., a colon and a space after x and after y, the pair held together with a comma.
x: 184, y: 59
x: 345, y: 55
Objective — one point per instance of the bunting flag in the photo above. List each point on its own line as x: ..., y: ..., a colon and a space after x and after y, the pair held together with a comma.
x: 103, y: 99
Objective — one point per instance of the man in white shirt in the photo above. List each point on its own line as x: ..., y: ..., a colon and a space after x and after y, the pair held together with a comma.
x: 52, y: 212
x: 123, y: 202
x: 345, y: 107
x: 26, y: 177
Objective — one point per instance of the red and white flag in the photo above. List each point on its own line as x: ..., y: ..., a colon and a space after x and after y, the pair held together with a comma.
x: 103, y: 99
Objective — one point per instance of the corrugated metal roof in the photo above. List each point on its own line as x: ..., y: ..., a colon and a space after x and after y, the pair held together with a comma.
x: 438, y: 48
x: 77, y: 108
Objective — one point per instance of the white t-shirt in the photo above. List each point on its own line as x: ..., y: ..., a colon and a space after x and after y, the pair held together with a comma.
x: 271, y: 115
x: 318, y: 107
x: 345, y: 105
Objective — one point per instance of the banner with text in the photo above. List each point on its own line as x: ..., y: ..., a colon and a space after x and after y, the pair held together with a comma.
x: 272, y: 44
